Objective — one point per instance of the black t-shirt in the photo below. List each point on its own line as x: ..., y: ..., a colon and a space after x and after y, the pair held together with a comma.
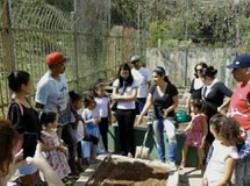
x: 215, y: 97
x: 163, y: 102
x: 23, y: 119
x: 26, y: 121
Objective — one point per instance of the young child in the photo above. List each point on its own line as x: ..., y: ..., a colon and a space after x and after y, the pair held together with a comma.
x: 102, y: 104
x: 55, y: 152
x: 196, y: 133
x: 222, y: 162
x: 8, y: 142
x: 91, y: 119
x: 77, y: 123
x: 12, y: 158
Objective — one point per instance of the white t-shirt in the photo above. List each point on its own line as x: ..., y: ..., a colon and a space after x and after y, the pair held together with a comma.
x: 216, y: 166
x: 102, y: 106
x: 52, y: 93
x: 198, y: 83
x: 142, y: 76
x: 126, y: 105
x: 79, y: 132
x: 90, y: 114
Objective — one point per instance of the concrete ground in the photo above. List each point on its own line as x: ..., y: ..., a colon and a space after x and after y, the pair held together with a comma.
x: 190, y: 176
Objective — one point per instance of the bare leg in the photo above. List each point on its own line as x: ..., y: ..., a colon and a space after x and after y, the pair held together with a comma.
x: 184, y: 156
x: 93, y: 153
x: 200, y: 154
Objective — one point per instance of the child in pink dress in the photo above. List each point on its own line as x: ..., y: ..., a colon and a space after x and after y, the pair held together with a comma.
x: 54, y: 151
x: 196, y: 133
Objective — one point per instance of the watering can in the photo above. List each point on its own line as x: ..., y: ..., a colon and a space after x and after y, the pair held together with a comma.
x: 182, y: 116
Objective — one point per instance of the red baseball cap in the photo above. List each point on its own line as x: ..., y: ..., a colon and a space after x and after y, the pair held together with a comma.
x: 55, y: 58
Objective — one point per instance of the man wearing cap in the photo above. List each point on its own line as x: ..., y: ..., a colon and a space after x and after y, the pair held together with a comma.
x: 52, y: 89
x: 239, y: 110
x: 143, y: 77
x: 52, y: 96
x: 238, y: 107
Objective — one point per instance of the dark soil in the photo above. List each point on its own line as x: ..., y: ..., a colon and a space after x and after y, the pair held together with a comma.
x: 121, y: 173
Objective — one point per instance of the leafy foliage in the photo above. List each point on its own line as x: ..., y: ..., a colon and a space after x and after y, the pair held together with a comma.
x: 207, y: 22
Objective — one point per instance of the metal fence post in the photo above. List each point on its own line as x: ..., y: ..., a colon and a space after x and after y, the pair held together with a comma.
x: 75, y: 53
x: 186, y: 65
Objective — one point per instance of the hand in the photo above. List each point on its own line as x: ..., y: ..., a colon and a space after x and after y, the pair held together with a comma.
x: 95, y: 121
x: 139, y: 120
x: 61, y: 148
x: 222, y: 111
x: 204, y: 182
x: 180, y: 132
x: 19, y: 156
x: 203, y: 144
x: 165, y: 112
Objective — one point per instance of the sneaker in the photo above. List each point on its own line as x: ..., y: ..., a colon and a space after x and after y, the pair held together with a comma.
x: 172, y: 166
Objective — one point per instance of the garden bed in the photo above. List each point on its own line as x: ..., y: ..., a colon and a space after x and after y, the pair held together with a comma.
x: 121, y: 171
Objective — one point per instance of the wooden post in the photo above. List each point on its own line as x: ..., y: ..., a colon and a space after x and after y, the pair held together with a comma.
x: 6, y: 36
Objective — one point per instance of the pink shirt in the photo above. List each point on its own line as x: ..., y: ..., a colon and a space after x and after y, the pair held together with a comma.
x: 238, y: 108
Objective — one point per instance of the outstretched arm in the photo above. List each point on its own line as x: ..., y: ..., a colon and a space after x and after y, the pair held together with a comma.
x: 145, y: 108
x: 230, y: 165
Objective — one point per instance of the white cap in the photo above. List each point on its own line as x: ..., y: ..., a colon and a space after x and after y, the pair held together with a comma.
x: 135, y: 58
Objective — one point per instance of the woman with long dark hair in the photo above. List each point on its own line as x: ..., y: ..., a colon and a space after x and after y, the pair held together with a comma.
x: 213, y: 93
x: 124, y: 94
x: 164, y: 98
x: 196, y: 85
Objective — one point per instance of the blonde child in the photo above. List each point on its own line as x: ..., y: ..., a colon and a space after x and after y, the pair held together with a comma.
x: 223, y: 159
x: 196, y: 133
x: 52, y: 147
x: 102, y: 103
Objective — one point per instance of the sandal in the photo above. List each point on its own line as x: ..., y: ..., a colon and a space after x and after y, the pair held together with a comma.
x: 182, y: 165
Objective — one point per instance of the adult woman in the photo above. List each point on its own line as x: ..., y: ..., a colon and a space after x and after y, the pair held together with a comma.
x: 213, y: 93
x: 196, y: 85
x: 124, y: 93
x: 25, y: 120
x: 164, y: 97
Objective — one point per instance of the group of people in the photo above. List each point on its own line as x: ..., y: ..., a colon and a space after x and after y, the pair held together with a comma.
x: 64, y: 128
x: 219, y: 128
x: 69, y: 128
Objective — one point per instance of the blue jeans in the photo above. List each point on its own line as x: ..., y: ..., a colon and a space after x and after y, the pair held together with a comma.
x: 159, y: 126
x: 140, y: 102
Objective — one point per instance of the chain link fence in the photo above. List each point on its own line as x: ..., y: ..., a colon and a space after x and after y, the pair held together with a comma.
x: 99, y: 35
x: 29, y: 32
